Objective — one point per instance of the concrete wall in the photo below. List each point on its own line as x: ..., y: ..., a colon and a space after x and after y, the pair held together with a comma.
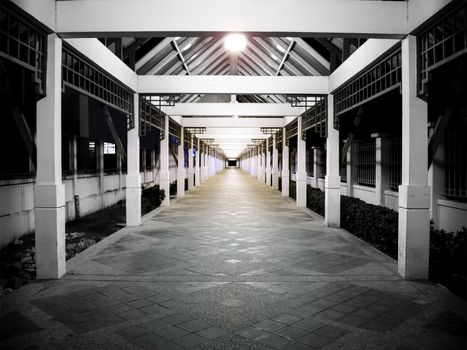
x: 17, y: 198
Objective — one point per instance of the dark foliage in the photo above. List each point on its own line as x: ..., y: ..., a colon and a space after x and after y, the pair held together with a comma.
x: 173, y: 188
x: 151, y: 198
x: 315, y: 200
x: 280, y: 184
x: 448, y: 260
x: 375, y: 224
x: 292, y: 190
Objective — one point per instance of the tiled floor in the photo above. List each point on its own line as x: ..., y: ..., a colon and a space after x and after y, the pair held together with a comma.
x: 233, y: 265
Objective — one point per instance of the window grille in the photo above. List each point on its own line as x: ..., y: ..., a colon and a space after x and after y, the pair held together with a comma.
x: 175, y: 129
x: 150, y: 116
x: 395, y: 163
x: 455, y: 143
x: 23, y: 43
x: 366, y: 163
x: 82, y: 75
x: 315, y: 117
x: 380, y: 78
x: 87, y: 156
x: 441, y: 42
x: 291, y: 130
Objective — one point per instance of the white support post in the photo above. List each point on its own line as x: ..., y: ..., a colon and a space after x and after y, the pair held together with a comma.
x: 49, y: 190
x: 316, y: 167
x: 285, y: 165
x: 133, y: 177
x: 332, y: 181
x: 164, y: 174
x: 254, y: 167
x: 301, y: 168
x: 258, y: 163
x: 351, y: 171
x: 198, y: 165
x: 275, y: 164
x: 268, y: 164
x: 381, y: 171
x: 414, y: 192
x: 181, y: 166
x: 190, y: 165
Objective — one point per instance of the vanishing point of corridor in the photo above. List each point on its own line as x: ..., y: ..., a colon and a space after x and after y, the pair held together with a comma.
x: 232, y: 265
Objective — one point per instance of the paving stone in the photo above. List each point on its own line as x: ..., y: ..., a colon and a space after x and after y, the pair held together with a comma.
x: 193, y: 325
x: 286, y: 318
x: 308, y: 324
x: 152, y: 341
x: 132, y: 314
x: 211, y: 333
x: 132, y: 332
x: 84, y: 327
x: 190, y: 340
x: 269, y: 325
x: 274, y: 341
x: 253, y: 333
x: 292, y: 332
x: 14, y: 324
x: 176, y: 318
x: 139, y: 303
x: 155, y: 325
x: 171, y: 332
x: 155, y: 310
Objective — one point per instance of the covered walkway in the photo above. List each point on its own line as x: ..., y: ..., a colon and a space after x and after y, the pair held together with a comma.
x: 232, y: 265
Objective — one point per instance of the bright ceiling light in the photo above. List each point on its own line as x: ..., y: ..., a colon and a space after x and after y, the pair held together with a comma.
x: 280, y: 48
x: 235, y: 116
x: 235, y: 42
x: 186, y: 47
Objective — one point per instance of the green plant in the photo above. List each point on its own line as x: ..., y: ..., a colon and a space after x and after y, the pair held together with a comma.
x: 173, y: 188
x: 292, y: 190
x: 315, y: 200
x: 375, y: 224
x: 152, y: 196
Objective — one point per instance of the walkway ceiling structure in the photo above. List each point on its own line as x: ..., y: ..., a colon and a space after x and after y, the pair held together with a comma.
x: 204, y: 54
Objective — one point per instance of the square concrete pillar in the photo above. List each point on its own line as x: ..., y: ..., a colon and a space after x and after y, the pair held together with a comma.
x: 181, y: 166
x: 285, y: 165
x: 275, y: 164
x: 258, y: 162
x: 164, y: 174
x: 316, y: 166
x: 190, y: 165
x: 414, y: 192
x: 268, y: 163
x: 351, y: 170
x: 381, y: 169
x: 198, y: 164
x: 49, y: 190
x: 133, y: 177
x: 332, y: 180
x: 301, y: 168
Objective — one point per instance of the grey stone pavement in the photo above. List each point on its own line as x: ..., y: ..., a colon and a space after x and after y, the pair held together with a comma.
x: 232, y: 265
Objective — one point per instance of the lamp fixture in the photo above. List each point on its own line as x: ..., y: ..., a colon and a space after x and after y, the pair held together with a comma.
x: 235, y: 42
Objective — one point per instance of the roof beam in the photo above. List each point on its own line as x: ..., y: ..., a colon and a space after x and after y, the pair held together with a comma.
x: 231, y: 124
x: 310, y: 18
x: 230, y: 109
x: 233, y: 85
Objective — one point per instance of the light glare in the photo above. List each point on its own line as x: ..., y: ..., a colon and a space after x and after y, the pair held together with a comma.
x: 235, y: 42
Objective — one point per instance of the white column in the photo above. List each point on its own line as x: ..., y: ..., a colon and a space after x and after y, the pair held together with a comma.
x: 198, y: 165
x: 332, y: 180
x: 301, y: 168
x: 181, y: 165
x: 49, y: 190
x: 263, y: 167
x: 414, y: 193
x: 351, y: 170
x: 190, y: 165
x: 381, y: 171
x: 164, y: 175
x: 133, y: 177
x: 254, y: 166
x: 275, y: 164
x: 285, y: 165
x: 258, y: 163
x: 316, y: 166
x: 268, y: 163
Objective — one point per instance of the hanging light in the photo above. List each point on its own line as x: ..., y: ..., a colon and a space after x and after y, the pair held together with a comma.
x: 235, y: 42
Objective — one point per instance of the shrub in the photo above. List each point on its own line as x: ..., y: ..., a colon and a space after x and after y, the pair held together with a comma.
x: 186, y: 184
x: 315, y: 200
x: 448, y: 259
x: 280, y: 183
x: 375, y: 224
x: 173, y: 188
x: 152, y: 197
x: 292, y: 190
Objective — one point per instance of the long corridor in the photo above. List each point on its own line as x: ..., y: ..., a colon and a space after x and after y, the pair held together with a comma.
x: 232, y: 265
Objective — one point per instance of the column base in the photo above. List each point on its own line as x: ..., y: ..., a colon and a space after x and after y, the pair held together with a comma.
x: 413, y: 243
x: 181, y: 186
x: 164, y: 184
x: 275, y: 181
x: 285, y: 185
x: 133, y: 206
x: 190, y: 179
x: 50, y: 242
x: 301, y: 189
x: 268, y: 177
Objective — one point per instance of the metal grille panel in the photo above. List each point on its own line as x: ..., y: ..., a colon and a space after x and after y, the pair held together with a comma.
x: 80, y: 74
x: 316, y: 117
x: 456, y: 165
x: 366, y: 163
x: 23, y: 43
x: 443, y: 41
x: 382, y: 77
x: 150, y: 117
x: 395, y: 163
x: 291, y: 129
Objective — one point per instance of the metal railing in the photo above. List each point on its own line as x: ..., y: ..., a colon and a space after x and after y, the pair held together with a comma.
x: 455, y: 165
x: 395, y: 163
